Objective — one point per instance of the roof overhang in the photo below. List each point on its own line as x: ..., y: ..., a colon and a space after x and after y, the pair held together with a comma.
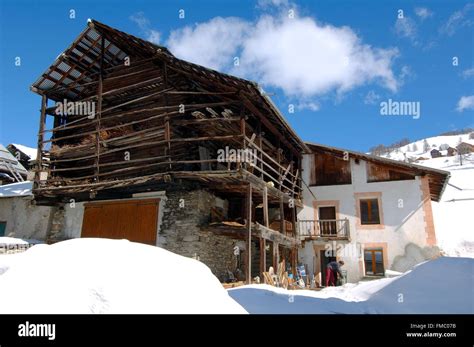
x: 438, y: 179
x: 74, y: 72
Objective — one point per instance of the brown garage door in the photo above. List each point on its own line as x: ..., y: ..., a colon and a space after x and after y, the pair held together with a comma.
x: 135, y: 220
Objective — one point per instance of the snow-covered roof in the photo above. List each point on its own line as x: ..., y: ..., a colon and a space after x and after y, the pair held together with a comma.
x: 30, y: 152
x: 16, y: 189
x: 5, y: 155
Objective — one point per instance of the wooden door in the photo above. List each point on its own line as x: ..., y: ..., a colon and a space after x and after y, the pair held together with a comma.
x: 134, y: 220
x: 327, y: 217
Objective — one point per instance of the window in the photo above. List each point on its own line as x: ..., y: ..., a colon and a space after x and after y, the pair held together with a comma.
x: 3, y: 226
x: 373, y: 259
x: 369, y: 211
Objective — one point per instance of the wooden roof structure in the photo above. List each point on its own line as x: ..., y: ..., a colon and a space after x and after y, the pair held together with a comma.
x: 140, y: 89
x: 74, y: 74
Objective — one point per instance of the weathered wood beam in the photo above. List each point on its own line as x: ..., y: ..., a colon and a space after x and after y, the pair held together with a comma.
x: 249, y: 235
x: 99, y: 111
x: 274, y: 236
x: 39, y: 151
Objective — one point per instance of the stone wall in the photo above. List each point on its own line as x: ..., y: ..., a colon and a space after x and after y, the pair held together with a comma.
x: 183, y: 214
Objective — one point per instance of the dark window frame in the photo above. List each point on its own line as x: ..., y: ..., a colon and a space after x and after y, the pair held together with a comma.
x: 373, y: 262
x: 371, y: 218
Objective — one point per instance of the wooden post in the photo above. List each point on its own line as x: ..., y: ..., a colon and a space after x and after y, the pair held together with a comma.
x: 248, y: 269
x: 262, y: 256
x: 294, y: 260
x: 39, y: 152
x: 276, y: 255
x: 260, y: 144
x: 99, y: 111
x: 293, y: 218
x: 242, y: 132
x: 282, y: 216
x: 168, y: 138
x: 167, y: 119
x: 263, y: 242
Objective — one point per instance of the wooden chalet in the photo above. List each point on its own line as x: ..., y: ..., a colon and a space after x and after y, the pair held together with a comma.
x: 160, y: 123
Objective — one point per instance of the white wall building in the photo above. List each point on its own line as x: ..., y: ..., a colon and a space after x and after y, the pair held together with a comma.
x: 374, y: 212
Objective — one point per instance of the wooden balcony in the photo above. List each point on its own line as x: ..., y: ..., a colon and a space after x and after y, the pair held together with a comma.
x: 333, y: 229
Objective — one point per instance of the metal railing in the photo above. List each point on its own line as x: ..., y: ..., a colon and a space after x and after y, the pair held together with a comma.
x: 330, y: 228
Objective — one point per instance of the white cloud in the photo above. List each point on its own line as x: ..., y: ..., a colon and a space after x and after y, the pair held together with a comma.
x: 465, y: 103
x: 468, y: 73
x: 275, y: 3
x: 143, y: 23
x: 406, y: 27
x: 371, y: 98
x: 457, y: 20
x: 213, y: 44
x: 305, y: 58
x: 423, y: 12
x: 406, y: 74
x: 140, y: 19
x: 308, y: 105
x: 300, y: 56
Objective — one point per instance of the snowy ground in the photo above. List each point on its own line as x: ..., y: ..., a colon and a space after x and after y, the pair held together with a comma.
x: 118, y: 276
x: 108, y: 276
x: 444, y: 285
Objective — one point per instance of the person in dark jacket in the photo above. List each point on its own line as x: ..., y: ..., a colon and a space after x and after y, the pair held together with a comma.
x: 333, y: 270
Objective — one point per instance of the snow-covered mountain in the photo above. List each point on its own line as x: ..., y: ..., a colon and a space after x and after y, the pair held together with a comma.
x: 452, y: 215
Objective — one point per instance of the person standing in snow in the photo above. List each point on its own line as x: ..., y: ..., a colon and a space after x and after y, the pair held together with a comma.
x: 333, y: 270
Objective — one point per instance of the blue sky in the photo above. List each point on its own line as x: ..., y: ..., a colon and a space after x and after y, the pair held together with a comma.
x: 333, y: 62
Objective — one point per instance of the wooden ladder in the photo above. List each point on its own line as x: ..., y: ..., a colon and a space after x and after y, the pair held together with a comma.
x: 16, y: 175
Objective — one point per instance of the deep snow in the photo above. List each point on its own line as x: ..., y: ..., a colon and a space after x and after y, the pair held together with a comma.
x: 108, y: 276
x: 444, y: 285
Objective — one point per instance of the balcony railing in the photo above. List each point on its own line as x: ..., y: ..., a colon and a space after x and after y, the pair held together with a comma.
x: 330, y: 228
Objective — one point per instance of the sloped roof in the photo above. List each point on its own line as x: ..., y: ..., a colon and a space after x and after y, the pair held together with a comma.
x: 72, y: 74
x: 5, y: 155
x: 28, y: 151
x: 437, y: 178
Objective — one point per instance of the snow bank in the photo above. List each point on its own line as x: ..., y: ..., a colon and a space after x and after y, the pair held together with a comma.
x: 444, y: 285
x: 12, y: 241
x: 108, y: 276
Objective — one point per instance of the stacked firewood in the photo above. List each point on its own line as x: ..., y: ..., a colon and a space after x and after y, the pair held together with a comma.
x: 278, y: 279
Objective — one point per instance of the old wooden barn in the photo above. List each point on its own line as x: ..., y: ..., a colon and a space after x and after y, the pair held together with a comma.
x: 136, y: 143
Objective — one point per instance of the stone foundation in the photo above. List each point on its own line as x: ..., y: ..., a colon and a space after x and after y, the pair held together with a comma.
x: 185, y: 211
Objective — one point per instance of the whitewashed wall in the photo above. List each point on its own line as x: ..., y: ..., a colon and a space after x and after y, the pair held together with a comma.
x: 24, y: 220
x: 403, y: 225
